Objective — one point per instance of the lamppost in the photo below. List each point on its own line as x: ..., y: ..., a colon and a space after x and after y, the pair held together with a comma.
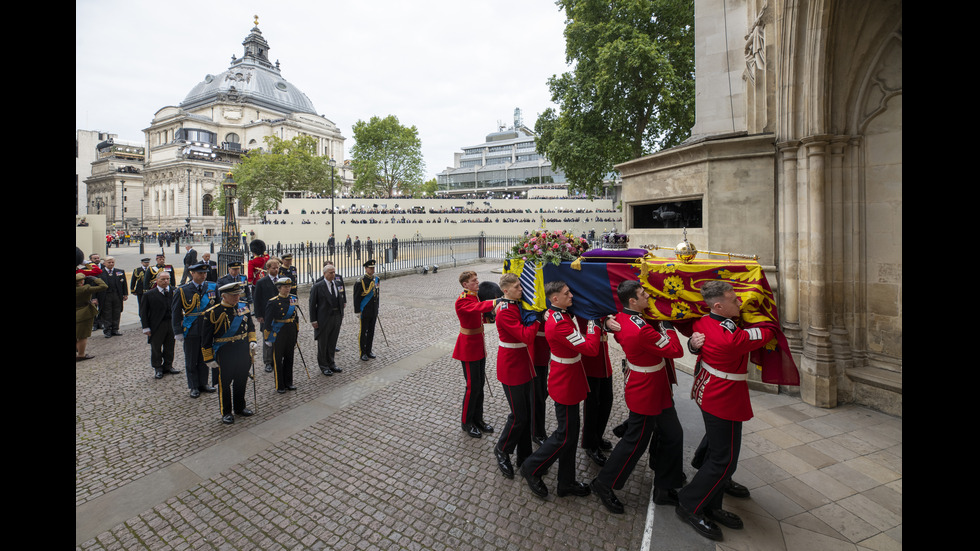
x: 123, y: 182
x: 188, y: 220
x: 333, y: 164
x: 231, y: 246
x: 142, y: 231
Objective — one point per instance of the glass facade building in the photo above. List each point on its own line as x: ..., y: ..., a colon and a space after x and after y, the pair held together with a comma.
x: 506, y: 162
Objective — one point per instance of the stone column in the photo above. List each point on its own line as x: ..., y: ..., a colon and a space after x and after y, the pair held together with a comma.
x: 818, y: 382
x: 839, y: 290
x: 789, y: 255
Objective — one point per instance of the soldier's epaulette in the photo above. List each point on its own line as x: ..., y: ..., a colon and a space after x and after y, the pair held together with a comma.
x: 729, y: 325
x: 556, y: 316
x: 638, y: 321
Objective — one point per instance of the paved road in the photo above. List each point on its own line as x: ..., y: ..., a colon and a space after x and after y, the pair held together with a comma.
x: 373, y: 458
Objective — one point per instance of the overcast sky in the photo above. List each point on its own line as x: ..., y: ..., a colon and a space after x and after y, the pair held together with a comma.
x: 452, y: 68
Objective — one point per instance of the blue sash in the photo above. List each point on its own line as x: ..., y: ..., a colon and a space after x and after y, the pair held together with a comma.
x: 278, y: 324
x: 236, y: 322
x: 209, y: 293
x: 367, y: 298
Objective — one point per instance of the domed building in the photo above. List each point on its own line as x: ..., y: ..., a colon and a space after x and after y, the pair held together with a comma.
x: 190, y: 147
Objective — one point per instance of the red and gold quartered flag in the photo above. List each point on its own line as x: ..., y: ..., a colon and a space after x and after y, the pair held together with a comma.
x: 674, y: 290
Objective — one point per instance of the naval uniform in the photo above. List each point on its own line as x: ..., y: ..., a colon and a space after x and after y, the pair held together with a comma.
x: 366, y: 301
x: 293, y: 276
x: 226, y: 335
x: 190, y: 302
x: 721, y: 389
x: 469, y: 350
x: 648, y: 349
x: 283, y: 330
x: 567, y: 386
x: 516, y: 375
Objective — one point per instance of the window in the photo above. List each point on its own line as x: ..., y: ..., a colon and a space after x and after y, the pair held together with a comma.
x: 675, y: 214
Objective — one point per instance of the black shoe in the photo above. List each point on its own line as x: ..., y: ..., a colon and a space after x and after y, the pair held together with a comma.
x: 228, y: 419
x: 596, y: 456
x: 364, y: 357
x: 735, y: 489
x: 576, y: 488
x: 620, y: 429
x: 208, y: 389
x: 281, y: 390
x: 538, y: 440
x: 108, y: 335
x: 371, y: 355
x: 483, y: 426
x: 665, y: 497
x: 607, y: 497
x: 472, y: 431
x: 268, y: 369
x: 157, y: 373
x: 503, y: 463
x: 535, y: 484
x: 326, y: 371
x: 116, y: 334
x: 173, y: 371
x: 291, y: 387
x: 336, y: 369
x: 605, y: 445
x: 245, y: 413
x: 700, y: 524
x: 725, y: 518
x: 195, y: 393
x: 336, y: 349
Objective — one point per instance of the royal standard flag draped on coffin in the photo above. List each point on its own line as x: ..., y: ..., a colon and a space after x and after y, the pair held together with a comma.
x: 673, y: 286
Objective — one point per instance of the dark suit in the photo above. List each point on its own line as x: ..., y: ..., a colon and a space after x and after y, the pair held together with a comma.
x: 155, y: 315
x: 190, y: 259
x: 327, y: 311
x: 212, y: 270
x: 111, y: 301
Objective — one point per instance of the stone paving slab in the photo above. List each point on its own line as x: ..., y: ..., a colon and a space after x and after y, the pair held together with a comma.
x: 373, y: 458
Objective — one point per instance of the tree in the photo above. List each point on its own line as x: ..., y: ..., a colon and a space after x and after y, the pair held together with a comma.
x: 631, y: 91
x: 386, y: 157
x: 285, y: 165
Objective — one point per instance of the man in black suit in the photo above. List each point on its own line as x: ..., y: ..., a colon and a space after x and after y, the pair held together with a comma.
x: 212, y: 267
x: 111, y: 301
x: 327, y: 301
x: 265, y: 290
x: 155, y: 315
x: 331, y: 244
x: 357, y: 248
x: 190, y: 259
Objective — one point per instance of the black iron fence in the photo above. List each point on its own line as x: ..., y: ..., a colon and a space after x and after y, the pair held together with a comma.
x: 392, y: 256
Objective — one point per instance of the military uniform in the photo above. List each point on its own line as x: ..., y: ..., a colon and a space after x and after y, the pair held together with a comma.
x: 567, y: 386
x: 366, y: 302
x: 111, y: 301
x: 189, y: 304
x: 469, y: 350
x: 226, y: 337
x: 598, y: 403
x: 721, y: 389
x: 648, y: 349
x: 136, y: 281
x: 515, y: 373
x: 150, y: 276
x: 291, y: 272
x: 282, y: 321
x: 542, y: 357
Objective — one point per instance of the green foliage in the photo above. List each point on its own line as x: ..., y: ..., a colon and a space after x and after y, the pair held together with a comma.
x: 285, y: 165
x: 386, y: 157
x: 631, y: 91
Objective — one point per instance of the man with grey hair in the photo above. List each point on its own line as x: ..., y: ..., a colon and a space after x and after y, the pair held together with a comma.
x: 327, y: 302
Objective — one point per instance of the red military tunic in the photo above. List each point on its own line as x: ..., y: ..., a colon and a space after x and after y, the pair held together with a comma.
x: 542, y: 352
x: 722, y: 388
x: 647, y: 393
x: 567, y: 384
x: 256, y: 268
x: 515, y: 348
x: 597, y: 366
x: 469, y: 343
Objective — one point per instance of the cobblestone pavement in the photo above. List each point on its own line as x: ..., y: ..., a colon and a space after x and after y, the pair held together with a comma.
x: 373, y: 458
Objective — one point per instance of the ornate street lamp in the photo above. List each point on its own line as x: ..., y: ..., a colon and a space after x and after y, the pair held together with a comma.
x: 333, y: 164
x: 231, y: 247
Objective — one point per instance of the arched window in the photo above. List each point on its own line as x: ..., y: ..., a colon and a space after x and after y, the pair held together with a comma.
x: 207, y: 207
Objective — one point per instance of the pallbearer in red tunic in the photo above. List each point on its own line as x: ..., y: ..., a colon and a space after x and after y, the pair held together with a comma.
x: 471, y: 352
x: 598, y: 403
x: 516, y: 373
x: 721, y: 389
x: 568, y: 387
x: 649, y: 348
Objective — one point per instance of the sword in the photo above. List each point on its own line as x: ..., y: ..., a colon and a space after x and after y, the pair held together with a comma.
x: 302, y: 358
x: 255, y: 395
x: 383, y: 331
